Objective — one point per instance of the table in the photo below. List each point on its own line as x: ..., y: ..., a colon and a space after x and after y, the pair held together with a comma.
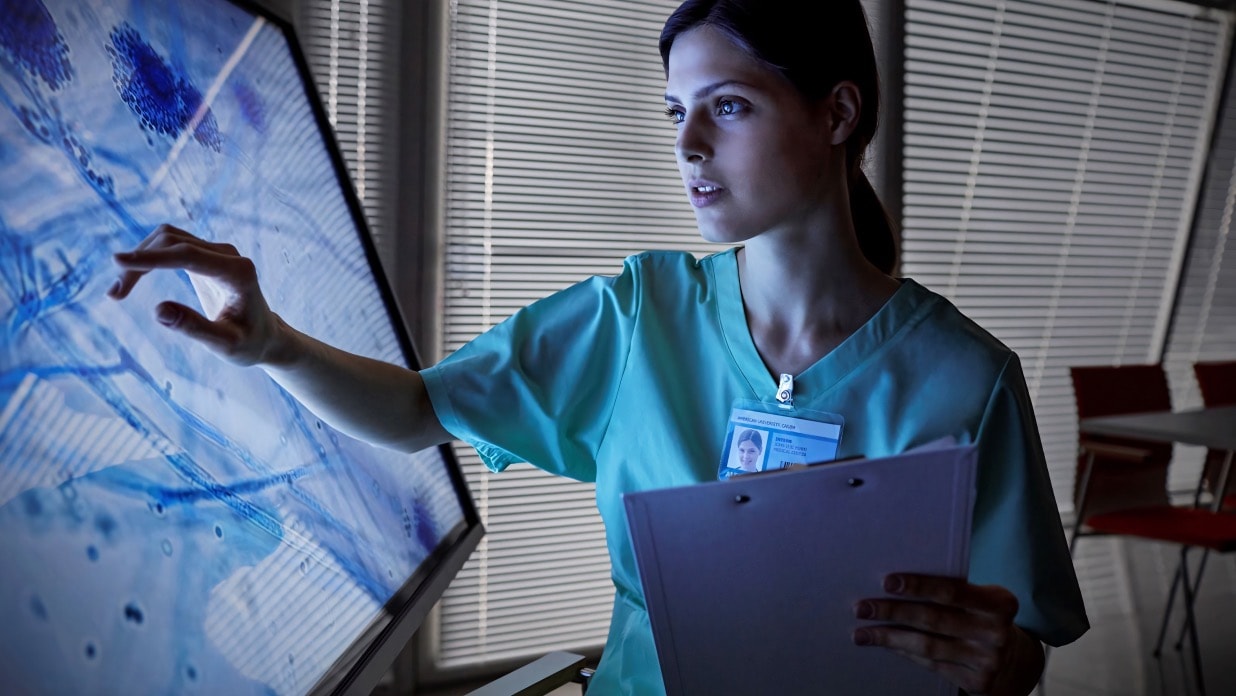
x: 1210, y: 427
x: 1214, y: 428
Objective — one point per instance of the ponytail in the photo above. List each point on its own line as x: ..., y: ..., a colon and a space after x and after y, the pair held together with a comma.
x: 872, y: 223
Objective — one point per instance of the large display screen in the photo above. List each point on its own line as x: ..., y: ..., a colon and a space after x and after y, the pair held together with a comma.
x: 169, y: 522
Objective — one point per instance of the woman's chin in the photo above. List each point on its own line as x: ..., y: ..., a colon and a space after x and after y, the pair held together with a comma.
x: 719, y: 233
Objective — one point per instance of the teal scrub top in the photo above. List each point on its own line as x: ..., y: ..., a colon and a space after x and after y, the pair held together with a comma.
x: 628, y: 382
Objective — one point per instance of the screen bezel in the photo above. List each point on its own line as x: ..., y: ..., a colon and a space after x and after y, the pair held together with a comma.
x: 368, y: 658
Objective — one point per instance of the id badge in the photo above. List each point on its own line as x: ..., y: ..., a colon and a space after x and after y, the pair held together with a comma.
x: 767, y: 437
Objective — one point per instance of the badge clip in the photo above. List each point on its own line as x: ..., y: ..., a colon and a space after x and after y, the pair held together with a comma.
x: 785, y: 391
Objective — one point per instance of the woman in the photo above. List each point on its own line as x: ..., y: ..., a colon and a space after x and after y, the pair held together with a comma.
x: 775, y: 103
x: 749, y: 445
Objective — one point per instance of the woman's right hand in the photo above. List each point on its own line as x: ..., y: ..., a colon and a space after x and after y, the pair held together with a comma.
x: 241, y: 327
x: 375, y: 401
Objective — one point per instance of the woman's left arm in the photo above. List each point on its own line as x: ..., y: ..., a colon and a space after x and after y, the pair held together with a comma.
x: 962, y: 631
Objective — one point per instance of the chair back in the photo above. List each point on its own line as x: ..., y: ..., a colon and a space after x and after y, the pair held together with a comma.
x: 1217, y: 380
x: 1117, y: 484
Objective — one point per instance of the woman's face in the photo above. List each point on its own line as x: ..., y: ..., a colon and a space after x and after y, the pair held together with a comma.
x: 748, y: 453
x: 752, y: 152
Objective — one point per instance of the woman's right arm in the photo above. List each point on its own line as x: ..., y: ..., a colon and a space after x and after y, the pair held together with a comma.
x: 368, y: 399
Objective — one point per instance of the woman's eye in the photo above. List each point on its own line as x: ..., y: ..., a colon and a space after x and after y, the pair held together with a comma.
x: 675, y: 115
x: 728, y: 107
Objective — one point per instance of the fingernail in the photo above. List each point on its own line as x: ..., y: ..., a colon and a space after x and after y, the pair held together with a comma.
x: 862, y: 637
x: 864, y: 610
x: 167, y: 315
x: 894, y: 584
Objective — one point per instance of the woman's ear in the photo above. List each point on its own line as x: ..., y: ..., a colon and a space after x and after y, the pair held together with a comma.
x: 844, y: 106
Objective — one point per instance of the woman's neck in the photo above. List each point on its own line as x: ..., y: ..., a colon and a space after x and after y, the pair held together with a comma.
x: 804, y: 294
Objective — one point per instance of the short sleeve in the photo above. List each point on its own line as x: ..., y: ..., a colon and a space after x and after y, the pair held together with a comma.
x: 1017, y: 540
x: 540, y: 386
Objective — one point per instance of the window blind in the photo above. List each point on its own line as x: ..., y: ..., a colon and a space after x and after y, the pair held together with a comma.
x: 347, y: 44
x: 1204, y: 325
x: 1052, y: 158
x: 559, y: 165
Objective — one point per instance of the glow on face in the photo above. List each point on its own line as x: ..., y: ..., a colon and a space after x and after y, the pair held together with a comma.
x: 750, y: 149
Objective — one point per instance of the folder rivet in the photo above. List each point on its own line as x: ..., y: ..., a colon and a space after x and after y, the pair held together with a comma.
x: 742, y: 498
x: 855, y: 482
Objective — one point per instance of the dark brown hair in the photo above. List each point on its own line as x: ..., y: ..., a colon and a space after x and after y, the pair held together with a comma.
x: 815, y: 44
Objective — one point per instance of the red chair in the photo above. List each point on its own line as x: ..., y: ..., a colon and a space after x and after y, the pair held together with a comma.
x: 1114, y: 473
x: 1121, y: 483
x: 1217, y: 381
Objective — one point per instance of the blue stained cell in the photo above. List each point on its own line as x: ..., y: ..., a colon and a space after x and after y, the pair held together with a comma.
x: 164, y: 100
x: 34, y: 122
x: 426, y: 530
x: 29, y: 34
x: 92, y: 553
x: 106, y: 525
x: 191, y: 673
x: 37, y: 606
x: 91, y: 651
x: 218, y: 531
x: 167, y: 547
x: 31, y: 505
x: 251, y: 106
x: 133, y: 613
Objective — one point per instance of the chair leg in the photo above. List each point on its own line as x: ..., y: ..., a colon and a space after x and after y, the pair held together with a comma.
x: 1190, y: 623
x: 1167, y: 614
x: 1197, y: 583
x: 1080, y: 512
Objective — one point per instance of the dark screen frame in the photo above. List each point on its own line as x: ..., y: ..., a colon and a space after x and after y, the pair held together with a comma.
x: 362, y: 666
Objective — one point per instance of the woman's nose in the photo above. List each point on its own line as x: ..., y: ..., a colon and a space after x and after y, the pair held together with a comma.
x: 694, y: 141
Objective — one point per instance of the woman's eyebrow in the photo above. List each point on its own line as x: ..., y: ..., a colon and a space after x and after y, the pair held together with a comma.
x: 706, y: 90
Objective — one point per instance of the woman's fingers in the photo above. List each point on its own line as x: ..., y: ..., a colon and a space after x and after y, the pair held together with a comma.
x: 937, y: 619
x: 172, y: 247
x: 962, y: 663
x: 223, y: 337
x: 240, y: 325
x: 923, y: 648
x: 960, y: 630
x: 990, y: 599
x: 972, y: 665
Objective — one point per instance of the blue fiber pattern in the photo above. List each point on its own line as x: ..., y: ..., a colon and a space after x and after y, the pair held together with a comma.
x: 164, y: 100
x: 33, y: 41
x: 170, y: 523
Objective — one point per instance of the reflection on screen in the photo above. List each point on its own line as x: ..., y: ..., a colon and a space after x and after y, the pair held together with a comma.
x: 168, y: 522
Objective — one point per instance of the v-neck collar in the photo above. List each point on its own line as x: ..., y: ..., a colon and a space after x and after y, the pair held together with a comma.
x: 829, y: 370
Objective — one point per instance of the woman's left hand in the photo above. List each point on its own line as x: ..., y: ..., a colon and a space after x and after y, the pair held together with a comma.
x: 962, y: 631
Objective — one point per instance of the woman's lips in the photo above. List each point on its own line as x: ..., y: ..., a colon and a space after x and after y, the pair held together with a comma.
x: 704, y: 194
